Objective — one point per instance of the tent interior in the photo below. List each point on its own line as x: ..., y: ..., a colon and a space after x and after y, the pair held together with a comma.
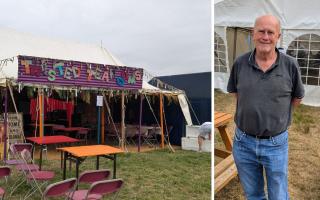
x: 84, y: 113
x: 85, y: 109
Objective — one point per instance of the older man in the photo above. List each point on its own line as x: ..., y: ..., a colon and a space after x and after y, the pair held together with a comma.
x: 267, y: 84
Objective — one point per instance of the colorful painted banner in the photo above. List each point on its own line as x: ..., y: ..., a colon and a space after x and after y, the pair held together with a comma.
x: 48, y: 71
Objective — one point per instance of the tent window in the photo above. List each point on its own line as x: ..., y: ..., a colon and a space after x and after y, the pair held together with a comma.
x: 219, y: 54
x: 306, y: 49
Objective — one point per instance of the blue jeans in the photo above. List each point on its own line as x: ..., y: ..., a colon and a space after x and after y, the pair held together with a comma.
x: 252, y: 155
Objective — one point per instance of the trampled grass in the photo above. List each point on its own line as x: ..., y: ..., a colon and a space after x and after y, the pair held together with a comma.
x: 304, y: 152
x: 155, y: 175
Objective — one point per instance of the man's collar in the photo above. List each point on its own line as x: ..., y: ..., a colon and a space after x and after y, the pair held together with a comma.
x: 252, y: 59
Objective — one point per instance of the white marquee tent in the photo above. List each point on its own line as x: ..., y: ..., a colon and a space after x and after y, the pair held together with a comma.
x: 300, y: 22
x: 15, y: 43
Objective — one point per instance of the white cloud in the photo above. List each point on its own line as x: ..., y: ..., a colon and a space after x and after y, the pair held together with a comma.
x: 164, y: 36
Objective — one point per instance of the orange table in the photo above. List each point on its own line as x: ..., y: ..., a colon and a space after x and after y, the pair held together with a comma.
x: 79, y: 153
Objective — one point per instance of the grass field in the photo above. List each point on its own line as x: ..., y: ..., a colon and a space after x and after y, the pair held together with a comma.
x: 304, y: 152
x: 154, y: 175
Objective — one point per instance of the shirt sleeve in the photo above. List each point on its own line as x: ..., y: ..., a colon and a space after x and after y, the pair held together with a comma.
x: 298, y: 89
x: 232, y: 83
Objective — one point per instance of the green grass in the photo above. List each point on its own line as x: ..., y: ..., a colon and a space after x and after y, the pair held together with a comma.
x: 303, y: 119
x: 152, y: 175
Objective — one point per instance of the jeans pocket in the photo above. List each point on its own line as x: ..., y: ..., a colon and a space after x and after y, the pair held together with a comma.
x: 280, y: 139
x: 238, y: 135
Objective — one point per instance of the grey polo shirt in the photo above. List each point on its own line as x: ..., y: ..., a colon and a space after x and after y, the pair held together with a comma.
x: 264, y: 98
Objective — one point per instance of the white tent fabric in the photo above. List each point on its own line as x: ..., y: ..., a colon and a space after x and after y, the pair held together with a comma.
x: 15, y: 43
x: 296, y: 17
x: 185, y: 108
x: 293, y: 14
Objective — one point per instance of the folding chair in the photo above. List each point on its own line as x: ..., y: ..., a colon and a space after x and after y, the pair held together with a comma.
x: 91, y: 176
x: 113, y: 131
x: 61, y: 188
x: 83, y: 133
x: 4, y: 172
x: 131, y: 132
x: 20, y: 165
x: 98, y: 189
x: 35, y: 176
x: 14, y: 152
x: 149, y: 137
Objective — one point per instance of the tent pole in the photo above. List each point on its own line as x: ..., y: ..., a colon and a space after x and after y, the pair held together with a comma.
x: 70, y: 115
x: 41, y: 95
x: 122, y: 121
x: 102, y: 125
x: 99, y: 124
x: 5, y: 123
x: 161, y: 120
x: 235, y: 43
x: 140, y: 120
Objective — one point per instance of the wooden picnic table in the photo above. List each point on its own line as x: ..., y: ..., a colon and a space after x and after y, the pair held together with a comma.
x: 225, y: 170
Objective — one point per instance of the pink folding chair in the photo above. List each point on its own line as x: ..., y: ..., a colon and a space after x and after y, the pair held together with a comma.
x: 91, y: 176
x: 99, y: 189
x: 20, y: 165
x: 4, y: 172
x: 61, y: 188
x: 35, y: 178
x: 14, y: 152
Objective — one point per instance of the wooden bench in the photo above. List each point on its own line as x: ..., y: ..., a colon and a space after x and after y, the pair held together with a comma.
x: 225, y: 170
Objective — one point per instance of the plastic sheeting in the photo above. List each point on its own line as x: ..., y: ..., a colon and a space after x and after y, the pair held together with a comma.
x: 185, y: 108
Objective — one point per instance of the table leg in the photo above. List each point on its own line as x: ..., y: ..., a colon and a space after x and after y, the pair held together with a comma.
x: 65, y: 165
x: 70, y: 163
x: 61, y: 160
x: 77, y: 169
x: 226, y: 138
x: 114, y: 165
x: 40, y: 162
x: 33, y: 150
x: 97, y: 164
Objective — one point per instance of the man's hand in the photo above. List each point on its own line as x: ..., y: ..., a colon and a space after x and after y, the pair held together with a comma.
x: 296, y: 101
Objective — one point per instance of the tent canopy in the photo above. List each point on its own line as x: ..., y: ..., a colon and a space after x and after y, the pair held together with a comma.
x: 15, y: 43
x: 293, y: 14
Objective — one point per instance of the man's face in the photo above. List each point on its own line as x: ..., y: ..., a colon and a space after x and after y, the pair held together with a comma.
x: 266, y: 34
